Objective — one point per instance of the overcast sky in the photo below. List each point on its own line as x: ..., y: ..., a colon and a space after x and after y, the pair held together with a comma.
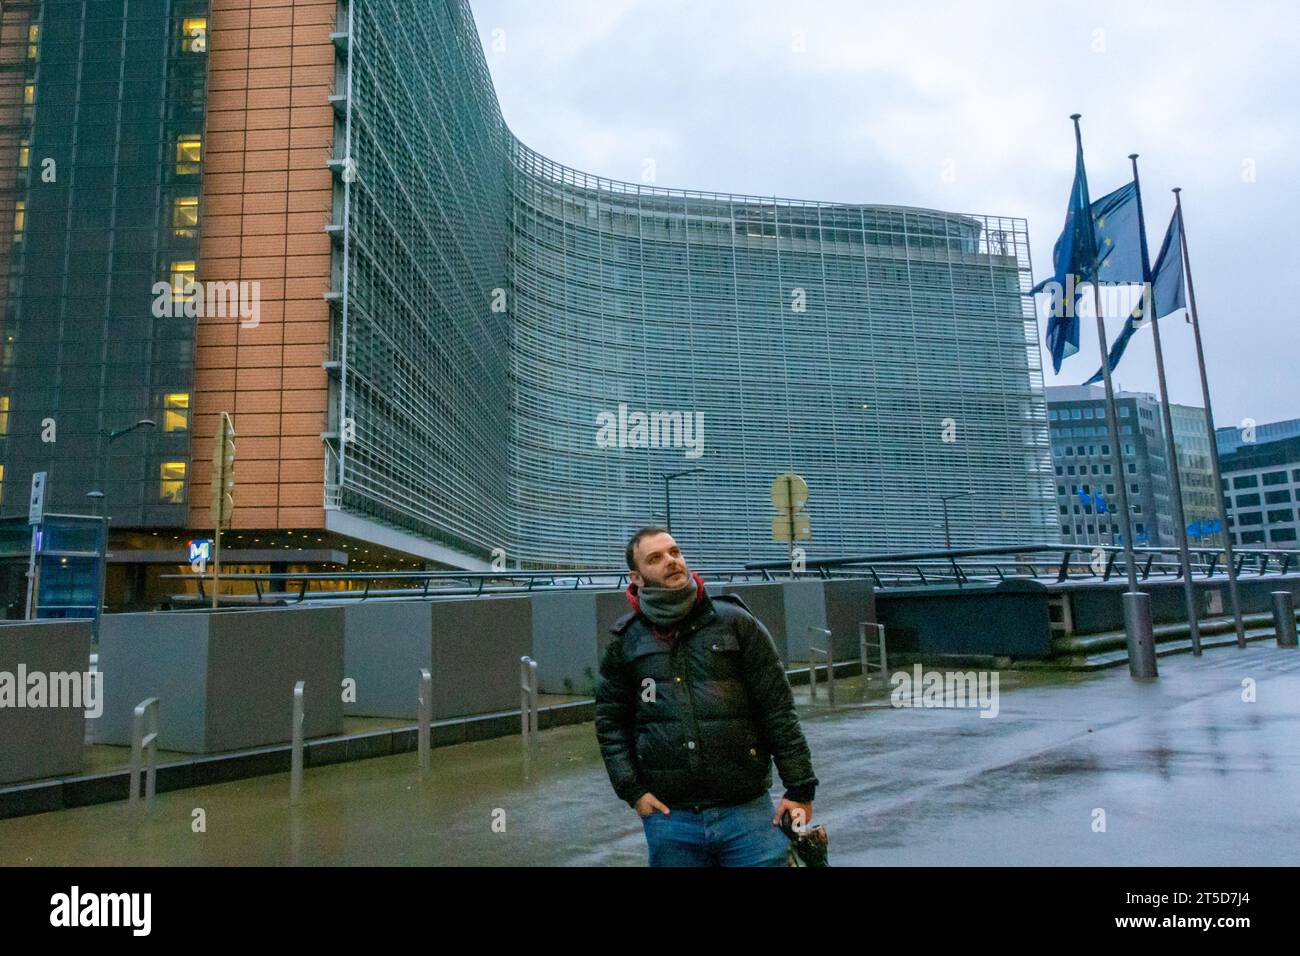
x: 960, y: 107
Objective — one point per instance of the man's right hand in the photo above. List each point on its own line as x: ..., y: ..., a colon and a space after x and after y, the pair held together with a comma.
x: 646, y: 804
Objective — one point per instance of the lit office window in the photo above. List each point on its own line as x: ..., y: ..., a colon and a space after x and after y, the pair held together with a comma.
x: 20, y: 219
x: 29, y: 94
x: 2, y: 484
x: 33, y: 38
x: 182, y: 275
x: 171, y: 484
x: 24, y: 153
x: 4, y: 414
x: 176, y: 412
x: 194, y: 34
x: 185, y: 216
x: 189, y: 153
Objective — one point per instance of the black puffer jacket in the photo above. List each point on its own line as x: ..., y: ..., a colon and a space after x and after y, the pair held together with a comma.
x: 698, y: 722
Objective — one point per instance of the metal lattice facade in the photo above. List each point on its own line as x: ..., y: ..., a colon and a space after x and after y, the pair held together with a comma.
x: 886, y: 354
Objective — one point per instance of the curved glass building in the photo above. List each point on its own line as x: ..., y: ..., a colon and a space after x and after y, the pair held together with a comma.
x: 522, y: 351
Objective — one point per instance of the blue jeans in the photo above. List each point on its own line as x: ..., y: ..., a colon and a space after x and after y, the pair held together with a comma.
x: 741, y: 835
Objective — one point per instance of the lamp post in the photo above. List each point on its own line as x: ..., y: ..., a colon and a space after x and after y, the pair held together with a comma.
x: 947, y: 535
x: 101, y: 500
x: 668, y: 502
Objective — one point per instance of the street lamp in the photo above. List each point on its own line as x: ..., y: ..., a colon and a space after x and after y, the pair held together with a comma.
x: 947, y: 535
x: 101, y: 501
x: 668, y: 504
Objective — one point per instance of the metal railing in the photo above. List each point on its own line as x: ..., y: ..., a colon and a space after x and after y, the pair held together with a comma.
x: 1052, y: 564
x: 295, y: 761
x: 864, y: 645
x: 528, y: 709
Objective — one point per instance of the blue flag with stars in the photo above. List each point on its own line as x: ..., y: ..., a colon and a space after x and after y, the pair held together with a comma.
x: 1073, y: 256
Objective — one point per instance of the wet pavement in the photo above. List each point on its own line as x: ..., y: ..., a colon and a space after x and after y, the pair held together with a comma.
x: 1184, y: 771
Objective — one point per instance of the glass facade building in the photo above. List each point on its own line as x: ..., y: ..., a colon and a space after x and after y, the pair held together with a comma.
x: 459, y: 338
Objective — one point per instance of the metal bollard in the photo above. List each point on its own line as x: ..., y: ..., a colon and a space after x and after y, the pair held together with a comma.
x: 528, y: 698
x: 864, y: 644
x: 295, y: 765
x: 425, y: 718
x: 1284, y: 618
x: 1141, y: 644
x: 830, y: 664
x: 143, y: 744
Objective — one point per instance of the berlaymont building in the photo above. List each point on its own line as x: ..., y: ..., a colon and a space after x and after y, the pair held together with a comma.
x: 437, y: 345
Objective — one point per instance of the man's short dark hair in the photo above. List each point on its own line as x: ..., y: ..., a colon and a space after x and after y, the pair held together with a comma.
x: 645, y: 532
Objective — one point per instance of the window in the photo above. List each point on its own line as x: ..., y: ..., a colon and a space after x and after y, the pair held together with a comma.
x: 1123, y: 411
x: 1283, y: 534
x: 1079, y: 451
x: 176, y: 412
x: 1137, y: 509
x: 1076, y: 414
x: 1051, y: 414
x: 1064, y: 510
x: 24, y: 153
x: 33, y: 38
x: 1132, y: 468
x: 1087, y: 412
x: 182, y: 275
x: 1295, y: 474
x: 189, y: 153
x: 1060, y: 470
x: 1248, y: 501
x: 4, y: 414
x: 29, y: 94
x: 1251, y: 517
x: 1245, y: 481
x: 1277, y: 497
x: 20, y: 219
x: 1105, y: 449
x: 1105, y: 469
x: 1060, y: 489
x: 2, y: 484
x: 1275, y: 477
x: 1252, y: 537
x: 1140, y: 528
x: 171, y: 484
x: 185, y: 216
x: 1281, y: 514
x: 1065, y: 529
x: 194, y: 34
x: 1135, y: 488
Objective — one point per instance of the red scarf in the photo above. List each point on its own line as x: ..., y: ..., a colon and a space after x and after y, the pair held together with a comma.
x: 666, y: 636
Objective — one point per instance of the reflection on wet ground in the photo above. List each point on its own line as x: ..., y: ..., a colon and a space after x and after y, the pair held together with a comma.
x: 1182, y: 772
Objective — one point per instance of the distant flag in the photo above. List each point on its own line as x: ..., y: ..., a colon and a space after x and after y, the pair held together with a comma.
x: 1194, y: 530
x: 1166, y: 290
x: 1085, y: 498
x: 1072, y: 263
x: 1099, y: 503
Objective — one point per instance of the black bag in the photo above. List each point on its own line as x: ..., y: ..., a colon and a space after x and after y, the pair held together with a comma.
x: 809, y: 848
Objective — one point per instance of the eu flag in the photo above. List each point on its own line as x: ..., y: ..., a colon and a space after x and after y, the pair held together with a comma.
x: 1166, y: 284
x: 1073, y: 258
x: 1100, y: 503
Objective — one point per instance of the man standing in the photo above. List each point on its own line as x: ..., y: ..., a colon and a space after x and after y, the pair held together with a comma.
x: 693, y: 705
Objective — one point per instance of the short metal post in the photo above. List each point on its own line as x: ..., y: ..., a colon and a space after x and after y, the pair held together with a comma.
x: 425, y: 718
x: 534, y: 711
x: 830, y: 664
x: 525, y: 699
x: 144, y: 753
x: 863, y: 647
x: 1141, y: 645
x: 1284, y: 618
x: 295, y: 766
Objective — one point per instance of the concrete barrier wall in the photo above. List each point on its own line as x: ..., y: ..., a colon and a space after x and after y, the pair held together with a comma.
x: 1008, y: 619
x: 767, y: 603
x: 471, y: 647
x: 41, y: 741
x: 565, y: 642
x: 385, y: 644
x: 848, y: 603
x: 224, y: 679
x: 1097, y: 609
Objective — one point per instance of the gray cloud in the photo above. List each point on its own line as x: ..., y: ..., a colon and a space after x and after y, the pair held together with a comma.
x: 882, y: 99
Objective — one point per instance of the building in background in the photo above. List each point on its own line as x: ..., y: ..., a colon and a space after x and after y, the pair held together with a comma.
x: 311, y: 214
x: 1200, y: 500
x: 1081, y: 455
x: 1260, y: 469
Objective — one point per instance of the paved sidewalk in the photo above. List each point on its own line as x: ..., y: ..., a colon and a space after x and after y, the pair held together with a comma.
x: 1184, y: 770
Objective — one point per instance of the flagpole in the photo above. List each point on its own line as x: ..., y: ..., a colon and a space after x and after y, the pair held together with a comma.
x: 1171, y: 453
x: 1209, y: 425
x: 1137, y: 607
